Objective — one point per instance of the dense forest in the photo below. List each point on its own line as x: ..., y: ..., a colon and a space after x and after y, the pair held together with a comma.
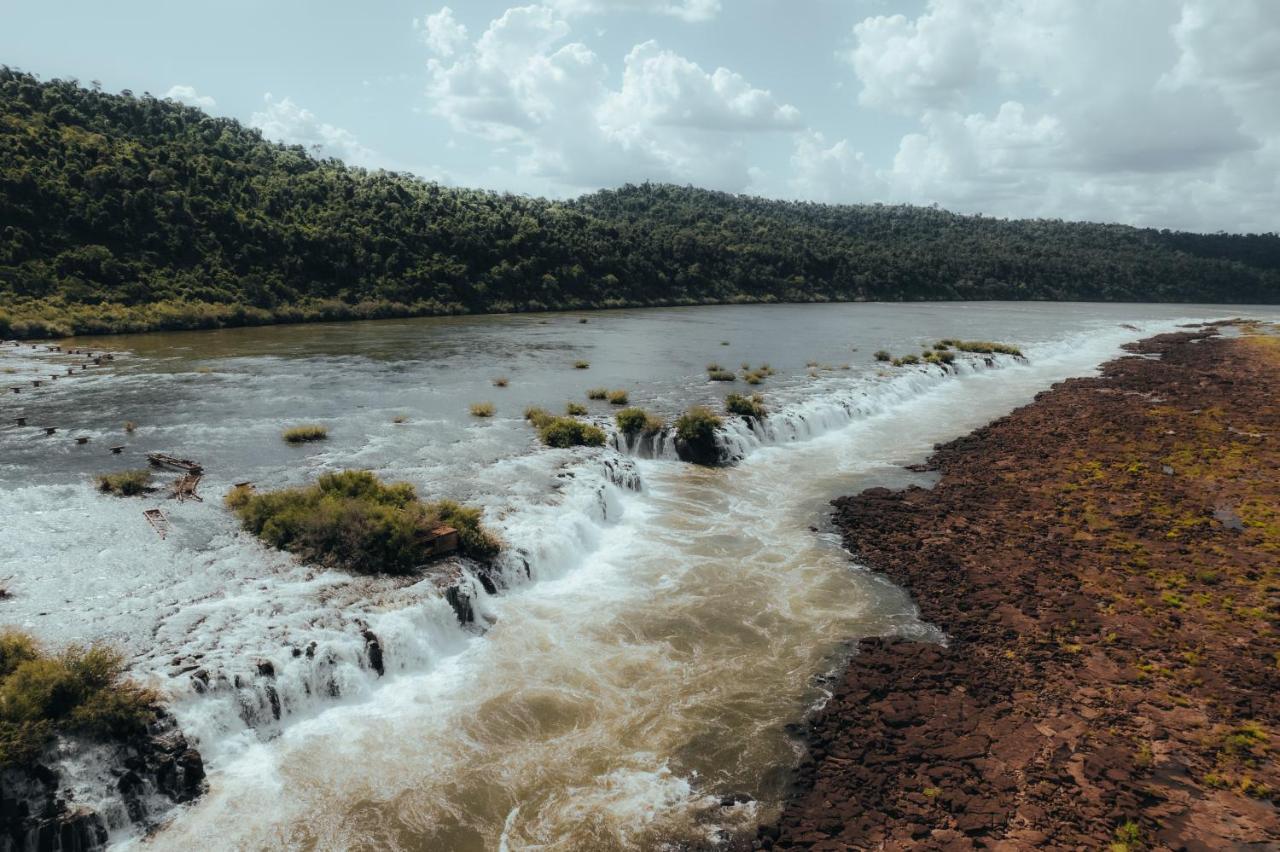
x: 121, y: 212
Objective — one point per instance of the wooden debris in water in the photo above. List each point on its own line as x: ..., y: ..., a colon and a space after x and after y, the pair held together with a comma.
x: 158, y: 521
x: 166, y: 460
x: 185, y: 488
x: 15, y: 389
x: 82, y: 439
x: 49, y: 430
x: 21, y: 421
x: 115, y: 451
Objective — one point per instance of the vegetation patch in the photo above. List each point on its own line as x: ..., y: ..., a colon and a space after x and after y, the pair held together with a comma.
x: 696, y: 434
x: 482, y: 409
x: 305, y: 434
x: 563, y: 432
x: 722, y: 376
x: 883, y: 355
x: 745, y: 406
x: 598, y: 393
x: 353, y: 521
x: 81, y: 691
x: 126, y: 483
x: 635, y: 420
x: 581, y: 365
x: 501, y: 382
x: 575, y: 409
x: 618, y: 397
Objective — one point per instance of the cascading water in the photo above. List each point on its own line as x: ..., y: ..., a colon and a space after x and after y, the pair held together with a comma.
x: 629, y: 666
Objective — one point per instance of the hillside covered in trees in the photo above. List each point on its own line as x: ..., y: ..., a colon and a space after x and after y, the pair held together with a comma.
x: 124, y: 213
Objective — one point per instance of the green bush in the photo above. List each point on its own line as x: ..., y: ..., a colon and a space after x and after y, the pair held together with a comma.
x: 618, y: 397
x: 986, y: 347
x: 713, y: 367
x: 537, y: 416
x: 882, y: 355
x: 126, y: 483
x: 633, y: 420
x: 567, y: 432
x: 698, y: 424
x: 721, y: 376
x: 305, y: 434
x: 906, y: 360
x: 597, y: 393
x: 82, y: 690
x: 482, y: 409
x: 745, y: 406
x: 352, y: 520
x: 575, y: 409
x: 581, y: 365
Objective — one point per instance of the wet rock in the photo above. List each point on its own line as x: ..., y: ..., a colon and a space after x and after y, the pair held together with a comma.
x: 373, y: 650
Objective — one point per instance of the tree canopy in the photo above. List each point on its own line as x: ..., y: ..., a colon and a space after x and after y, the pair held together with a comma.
x: 121, y: 212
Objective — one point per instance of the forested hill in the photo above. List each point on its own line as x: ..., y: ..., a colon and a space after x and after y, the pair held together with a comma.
x: 120, y: 212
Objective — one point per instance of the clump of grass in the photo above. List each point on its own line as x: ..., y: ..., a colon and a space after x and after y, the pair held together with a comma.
x: 581, y: 365
x: 126, y: 483
x: 482, y: 409
x: 724, y: 343
x: 81, y: 690
x: 352, y: 520
x: 745, y: 406
x: 714, y: 367
x: 984, y: 347
x: 696, y: 429
x: 399, y: 418
x: 500, y: 382
x: 1128, y: 837
x: 598, y: 393
x: 753, y: 378
x: 721, y: 376
x: 618, y: 397
x: 906, y: 360
x: 130, y: 426
x: 575, y: 409
x: 305, y: 434
x: 564, y: 432
x: 537, y: 416
x: 883, y: 355
x: 634, y: 420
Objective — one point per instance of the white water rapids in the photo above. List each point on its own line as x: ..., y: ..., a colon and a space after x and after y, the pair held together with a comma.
x: 645, y: 664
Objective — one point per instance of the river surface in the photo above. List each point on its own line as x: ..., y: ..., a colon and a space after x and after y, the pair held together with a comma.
x: 648, y: 648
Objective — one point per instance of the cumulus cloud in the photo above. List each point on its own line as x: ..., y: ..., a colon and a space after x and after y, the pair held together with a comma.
x: 441, y: 32
x: 285, y: 121
x: 524, y: 83
x: 1149, y: 111
x: 189, y: 96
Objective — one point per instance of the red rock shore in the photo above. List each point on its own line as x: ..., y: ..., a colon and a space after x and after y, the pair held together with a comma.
x: 1106, y: 564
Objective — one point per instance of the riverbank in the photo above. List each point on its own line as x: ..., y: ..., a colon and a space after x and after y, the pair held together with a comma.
x: 1104, y: 563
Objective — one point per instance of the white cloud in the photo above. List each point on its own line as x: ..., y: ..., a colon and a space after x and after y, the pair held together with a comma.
x: 441, y: 32
x: 1147, y: 111
x: 188, y: 95
x: 522, y: 82
x: 688, y: 10
x: 285, y: 121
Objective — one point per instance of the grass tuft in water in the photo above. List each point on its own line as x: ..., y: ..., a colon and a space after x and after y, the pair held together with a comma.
x: 126, y: 483
x: 305, y: 434
x: 482, y: 409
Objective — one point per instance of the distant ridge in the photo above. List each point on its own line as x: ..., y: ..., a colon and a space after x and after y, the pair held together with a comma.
x: 125, y: 213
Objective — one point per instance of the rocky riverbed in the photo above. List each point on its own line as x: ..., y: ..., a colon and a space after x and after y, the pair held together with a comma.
x: 1106, y: 565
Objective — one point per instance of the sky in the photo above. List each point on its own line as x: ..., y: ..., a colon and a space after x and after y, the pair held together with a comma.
x: 1161, y: 113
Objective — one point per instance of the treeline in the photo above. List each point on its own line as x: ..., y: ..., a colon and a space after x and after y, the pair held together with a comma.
x: 121, y: 212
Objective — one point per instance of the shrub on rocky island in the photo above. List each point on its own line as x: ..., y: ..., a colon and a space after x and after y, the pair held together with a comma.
x: 81, y: 691
x: 354, y: 521
x: 883, y: 355
x: 745, y: 406
x: 305, y: 434
x: 696, y: 435
x: 618, y: 397
x: 126, y: 483
x: 634, y: 420
x: 562, y: 432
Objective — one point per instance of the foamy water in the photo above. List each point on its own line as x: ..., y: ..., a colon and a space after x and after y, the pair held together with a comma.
x: 648, y: 647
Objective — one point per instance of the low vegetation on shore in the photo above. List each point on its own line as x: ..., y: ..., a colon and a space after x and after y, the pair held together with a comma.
x: 305, y: 434
x: 353, y: 521
x: 80, y: 690
x: 125, y: 483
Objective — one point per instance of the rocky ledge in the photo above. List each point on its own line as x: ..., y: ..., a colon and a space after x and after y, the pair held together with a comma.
x: 1106, y: 565
x: 70, y: 801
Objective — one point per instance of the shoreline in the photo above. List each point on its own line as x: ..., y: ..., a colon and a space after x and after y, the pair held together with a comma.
x: 1104, y: 563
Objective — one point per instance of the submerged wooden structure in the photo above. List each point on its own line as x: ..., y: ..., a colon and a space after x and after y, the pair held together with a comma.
x: 175, y: 463
x: 157, y: 520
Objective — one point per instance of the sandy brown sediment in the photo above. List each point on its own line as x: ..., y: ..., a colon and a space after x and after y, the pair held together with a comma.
x: 1106, y: 563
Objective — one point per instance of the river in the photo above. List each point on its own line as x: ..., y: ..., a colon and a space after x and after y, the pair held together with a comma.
x: 647, y: 650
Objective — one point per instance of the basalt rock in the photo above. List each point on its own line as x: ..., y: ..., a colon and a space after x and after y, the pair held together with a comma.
x: 147, y: 774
